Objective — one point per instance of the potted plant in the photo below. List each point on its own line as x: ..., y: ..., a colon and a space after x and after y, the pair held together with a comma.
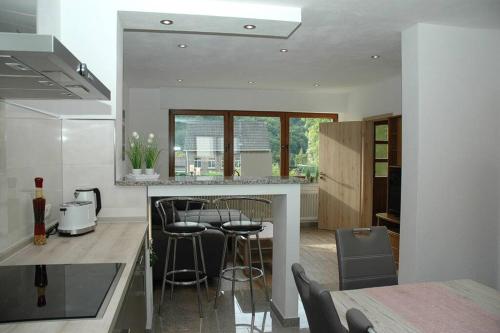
x: 151, y: 154
x: 135, y: 153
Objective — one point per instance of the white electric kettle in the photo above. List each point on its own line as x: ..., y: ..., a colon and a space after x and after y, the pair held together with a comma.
x: 90, y: 194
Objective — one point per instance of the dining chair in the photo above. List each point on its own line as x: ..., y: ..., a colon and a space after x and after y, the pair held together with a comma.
x: 365, y: 258
x: 318, y: 304
x: 358, y: 323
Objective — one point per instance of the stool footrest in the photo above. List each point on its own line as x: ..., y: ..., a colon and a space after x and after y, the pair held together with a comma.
x: 259, y: 274
x: 202, y: 278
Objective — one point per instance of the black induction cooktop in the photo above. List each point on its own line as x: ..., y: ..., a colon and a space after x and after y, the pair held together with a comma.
x: 45, y: 292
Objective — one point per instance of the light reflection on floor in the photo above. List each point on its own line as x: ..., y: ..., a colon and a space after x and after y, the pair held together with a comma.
x: 234, y: 312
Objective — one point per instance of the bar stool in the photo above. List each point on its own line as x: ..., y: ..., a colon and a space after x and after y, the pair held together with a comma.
x: 242, y: 226
x: 175, y: 230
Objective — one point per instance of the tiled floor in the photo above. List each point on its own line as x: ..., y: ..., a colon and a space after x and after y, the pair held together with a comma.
x: 317, y: 255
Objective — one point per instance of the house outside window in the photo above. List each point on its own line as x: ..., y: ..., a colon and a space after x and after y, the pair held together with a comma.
x: 197, y: 162
x: 211, y: 163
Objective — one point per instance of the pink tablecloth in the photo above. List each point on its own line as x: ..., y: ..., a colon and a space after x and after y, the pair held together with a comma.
x: 434, y: 308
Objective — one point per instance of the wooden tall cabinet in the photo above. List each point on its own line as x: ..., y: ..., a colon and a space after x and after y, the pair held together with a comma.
x: 346, y: 171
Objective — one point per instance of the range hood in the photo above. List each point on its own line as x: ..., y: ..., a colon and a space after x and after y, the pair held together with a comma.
x: 40, y: 67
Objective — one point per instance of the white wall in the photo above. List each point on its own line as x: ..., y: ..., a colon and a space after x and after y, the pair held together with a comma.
x: 451, y: 159
x: 373, y: 99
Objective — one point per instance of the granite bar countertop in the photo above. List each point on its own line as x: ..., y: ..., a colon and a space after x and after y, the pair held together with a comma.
x: 214, y: 180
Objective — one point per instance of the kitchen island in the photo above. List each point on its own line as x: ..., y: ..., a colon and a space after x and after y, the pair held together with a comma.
x: 285, y: 218
x: 110, y: 243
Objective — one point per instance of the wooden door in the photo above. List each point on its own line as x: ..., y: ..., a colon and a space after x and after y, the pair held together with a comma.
x: 343, y: 185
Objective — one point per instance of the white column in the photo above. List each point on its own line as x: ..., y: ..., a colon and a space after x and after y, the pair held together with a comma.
x: 286, y: 251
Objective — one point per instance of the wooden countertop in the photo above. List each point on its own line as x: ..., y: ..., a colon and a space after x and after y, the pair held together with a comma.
x: 110, y: 242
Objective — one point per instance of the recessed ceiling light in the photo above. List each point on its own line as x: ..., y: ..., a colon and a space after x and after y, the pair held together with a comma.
x: 167, y: 22
x: 179, y: 80
x: 251, y: 82
x: 316, y: 84
x: 284, y: 50
x: 182, y: 46
x: 375, y: 56
x: 249, y: 26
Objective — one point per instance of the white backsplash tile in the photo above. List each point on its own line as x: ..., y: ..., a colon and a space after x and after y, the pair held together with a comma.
x: 30, y: 146
x: 88, y: 160
x: 88, y: 142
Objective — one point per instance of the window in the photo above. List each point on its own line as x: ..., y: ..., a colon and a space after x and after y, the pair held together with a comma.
x: 247, y: 143
x: 381, y: 162
x: 304, y: 146
x: 211, y: 163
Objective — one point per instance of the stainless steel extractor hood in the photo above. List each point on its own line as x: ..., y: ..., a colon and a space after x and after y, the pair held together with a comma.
x: 40, y: 67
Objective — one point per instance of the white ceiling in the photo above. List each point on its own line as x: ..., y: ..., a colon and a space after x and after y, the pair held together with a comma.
x: 332, y: 46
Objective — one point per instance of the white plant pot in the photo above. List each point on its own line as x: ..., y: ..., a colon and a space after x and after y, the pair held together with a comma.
x: 136, y: 171
x: 150, y: 171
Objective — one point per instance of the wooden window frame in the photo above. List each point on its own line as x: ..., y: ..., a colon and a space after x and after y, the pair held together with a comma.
x: 375, y: 142
x: 228, y: 116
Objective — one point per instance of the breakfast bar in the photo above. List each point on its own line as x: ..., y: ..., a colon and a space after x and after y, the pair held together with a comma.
x: 285, y: 218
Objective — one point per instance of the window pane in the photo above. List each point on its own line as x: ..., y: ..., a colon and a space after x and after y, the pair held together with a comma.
x: 381, y: 169
x: 304, y: 146
x: 381, y: 151
x: 257, y: 146
x: 381, y: 132
x: 199, y: 145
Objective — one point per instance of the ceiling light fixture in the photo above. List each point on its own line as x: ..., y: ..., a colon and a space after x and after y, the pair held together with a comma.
x: 179, y: 80
x: 167, y: 22
x: 316, y: 84
x: 251, y: 82
x: 284, y: 50
x: 375, y: 56
x: 182, y: 46
x: 249, y: 26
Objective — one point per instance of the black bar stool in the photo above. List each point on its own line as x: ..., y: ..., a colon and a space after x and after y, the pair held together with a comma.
x: 242, y: 226
x: 190, y: 228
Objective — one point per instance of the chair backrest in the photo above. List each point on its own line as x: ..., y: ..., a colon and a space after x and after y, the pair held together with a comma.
x: 241, y: 209
x: 365, y: 258
x: 168, y: 209
x: 358, y: 323
x: 320, y: 310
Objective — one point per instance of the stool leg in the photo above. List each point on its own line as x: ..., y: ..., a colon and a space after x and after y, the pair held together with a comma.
x: 262, y: 267
x: 173, y: 269
x: 197, y: 274
x: 202, y: 253
x: 220, y: 271
x: 164, y: 274
x: 235, y: 243
x: 251, y: 274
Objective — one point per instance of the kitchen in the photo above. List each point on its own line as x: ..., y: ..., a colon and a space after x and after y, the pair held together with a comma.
x: 73, y: 130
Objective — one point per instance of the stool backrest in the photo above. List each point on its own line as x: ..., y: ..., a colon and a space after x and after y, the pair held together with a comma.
x: 168, y: 209
x: 241, y: 209
x: 365, y: 258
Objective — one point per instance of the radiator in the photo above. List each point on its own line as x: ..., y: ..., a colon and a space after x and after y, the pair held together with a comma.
x: 308, y: 204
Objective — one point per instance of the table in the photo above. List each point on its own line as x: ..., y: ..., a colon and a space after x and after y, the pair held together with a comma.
x: 286, y: 223
x: 457, y: 306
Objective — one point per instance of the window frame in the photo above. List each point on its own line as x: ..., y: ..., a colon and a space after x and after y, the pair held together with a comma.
x: 228, y: 117
x: 375, y: 142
